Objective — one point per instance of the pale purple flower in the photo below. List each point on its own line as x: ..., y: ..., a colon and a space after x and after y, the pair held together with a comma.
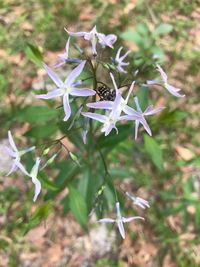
x: 148, y: 111
x: 66, y: 88
x: 110, y: 120
x: 108, y: 39
x: 93, y: 36
x: 116, y: 107
x: 119, y: 60
x: 171, y: 89
x: 138, y: 201
x: 63, y: 58
x: 120, y: 220
x: 16, y: 155
x: 33, y: 174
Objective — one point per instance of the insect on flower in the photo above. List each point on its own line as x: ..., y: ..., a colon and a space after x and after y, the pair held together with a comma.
x: 106, y: 93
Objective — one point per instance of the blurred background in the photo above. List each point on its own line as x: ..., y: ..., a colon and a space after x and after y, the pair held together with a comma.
x: 165, y: 170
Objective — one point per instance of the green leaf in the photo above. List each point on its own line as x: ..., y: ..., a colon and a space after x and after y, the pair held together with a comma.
x: 34, y: 54
x: 46, y: 183
x: 36, y: 114
x: 133, y: 36
x: 78, y: 206
x: 143, y: 29
x: 42, y: 131
x: 40, y: 214
x: 154, y: 151
x: 143, y: 97
x: 163, y: 28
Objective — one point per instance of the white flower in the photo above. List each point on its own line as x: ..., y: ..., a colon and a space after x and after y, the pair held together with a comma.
x: 66, y: 88
x: 93, y: 36
x: 138, y: 201
x: 120, y: 220
x: 171, y: 89
x: 15, y: 154
x: 119, y: 60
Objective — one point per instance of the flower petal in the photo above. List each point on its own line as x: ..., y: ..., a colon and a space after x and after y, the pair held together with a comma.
x: 21, y: 167
x: 66, y: 107
x: 151, y: 111
x: 75, y: 33
x: 173, y: 90
x: 101, y: 105
x: 130, y: 91
x: 67, y: 47
x: 114, y: 83
x: 94, y: 44
x: 9, y: 151
x: 136, y: 128
x: 162, y: 73
x: 37, y: 187
x: 117, y: 57
x: 125, y: 220
x: 11, y: 141
x: 121, y: 228
x: 13, y: 168
x: 106, y: 220
x: 95, y: 116
x: 82, y: 92
x: 75, y: 73
x: 146, y: 126
x: 50, y: 95
x: 53, y: 76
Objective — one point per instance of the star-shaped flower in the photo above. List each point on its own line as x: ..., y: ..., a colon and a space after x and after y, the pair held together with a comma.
x: 119, y: 60
x: 116, y: 107
x: 171, y: 89
x: 66, y: 88
x: 93, y: 36
x: 148, y: 111
x: 120, y: 220
x: 63, y: 58
x: 138, y: 201
x: 109, y: 121
x: 16, y: 155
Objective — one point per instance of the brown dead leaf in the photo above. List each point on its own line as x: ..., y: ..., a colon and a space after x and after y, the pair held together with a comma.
x: 54, y: 254
x: 184, y: 153
x: 36, y: 235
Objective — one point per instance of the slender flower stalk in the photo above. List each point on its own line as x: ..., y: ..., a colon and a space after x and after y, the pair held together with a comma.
x: 119, y: 60
x: 66, y: 88
x: 138, y: 201
x: 120, y: 220
x: 16, y: 155
x: 93, y: 36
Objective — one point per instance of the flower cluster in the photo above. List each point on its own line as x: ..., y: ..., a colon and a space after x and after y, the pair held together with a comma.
x: 114, y: 105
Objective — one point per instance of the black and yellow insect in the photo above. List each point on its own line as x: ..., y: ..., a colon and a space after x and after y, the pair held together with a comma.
x: 106, y: 93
